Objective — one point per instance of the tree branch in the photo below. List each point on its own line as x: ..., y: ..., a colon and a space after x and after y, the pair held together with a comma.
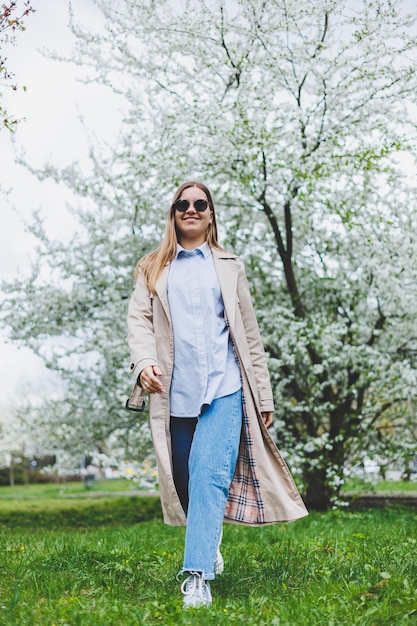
x: 379, y: 324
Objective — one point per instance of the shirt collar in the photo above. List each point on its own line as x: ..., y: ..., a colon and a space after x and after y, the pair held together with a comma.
x: 204, y: 249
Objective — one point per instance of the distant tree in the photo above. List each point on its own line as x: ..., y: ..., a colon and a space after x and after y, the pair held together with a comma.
x: 296, y: 114
x: 11, y: 21
x: 13, y: 444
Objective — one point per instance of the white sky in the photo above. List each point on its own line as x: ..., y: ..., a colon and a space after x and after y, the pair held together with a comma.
x: 51, y: 131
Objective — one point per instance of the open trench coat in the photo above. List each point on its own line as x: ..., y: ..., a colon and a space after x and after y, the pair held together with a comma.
x: 262, y: 490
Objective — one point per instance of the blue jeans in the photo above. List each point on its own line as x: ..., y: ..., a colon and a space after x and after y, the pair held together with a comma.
x: 211, y: 465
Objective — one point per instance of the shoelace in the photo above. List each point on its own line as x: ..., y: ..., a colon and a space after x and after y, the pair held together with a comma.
x: 195, y: 585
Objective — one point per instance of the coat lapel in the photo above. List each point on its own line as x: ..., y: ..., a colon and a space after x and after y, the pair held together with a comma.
x: 161, y: 290
x: 227, y: 273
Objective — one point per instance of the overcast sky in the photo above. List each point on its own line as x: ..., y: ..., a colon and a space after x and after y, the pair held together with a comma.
x: 51, y: 131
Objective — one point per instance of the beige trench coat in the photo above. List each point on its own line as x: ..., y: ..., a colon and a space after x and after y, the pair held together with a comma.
x: 262, y: 490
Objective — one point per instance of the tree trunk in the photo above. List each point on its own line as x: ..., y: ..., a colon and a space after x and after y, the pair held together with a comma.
x: 11, y: 472
x: 318, y: 495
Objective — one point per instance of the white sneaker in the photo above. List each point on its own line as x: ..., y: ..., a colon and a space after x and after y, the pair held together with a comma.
x: 196, y: 591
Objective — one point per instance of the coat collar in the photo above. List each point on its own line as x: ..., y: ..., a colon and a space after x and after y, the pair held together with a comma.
x: 222, y: 254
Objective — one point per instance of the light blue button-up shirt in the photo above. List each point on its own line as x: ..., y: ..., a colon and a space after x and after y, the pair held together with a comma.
x: 205, y: 367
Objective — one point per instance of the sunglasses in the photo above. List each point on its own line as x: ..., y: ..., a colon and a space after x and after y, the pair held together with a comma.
x: 182, y: 205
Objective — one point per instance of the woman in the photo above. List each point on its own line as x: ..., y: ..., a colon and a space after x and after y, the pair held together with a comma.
x: 196, y: 349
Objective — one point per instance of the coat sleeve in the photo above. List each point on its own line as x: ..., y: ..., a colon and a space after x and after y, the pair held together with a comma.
x: 141, y: 336
x: 254, y: 341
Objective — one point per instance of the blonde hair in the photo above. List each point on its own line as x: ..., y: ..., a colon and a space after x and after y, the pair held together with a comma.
x: 153, y: 263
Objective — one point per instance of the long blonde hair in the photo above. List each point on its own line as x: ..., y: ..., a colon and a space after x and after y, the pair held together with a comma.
x: 153, y: 263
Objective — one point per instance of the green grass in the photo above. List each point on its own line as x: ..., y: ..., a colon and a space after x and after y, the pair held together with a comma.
x: 88, y: 562
x: 358, y: 485
x: 63, y: 489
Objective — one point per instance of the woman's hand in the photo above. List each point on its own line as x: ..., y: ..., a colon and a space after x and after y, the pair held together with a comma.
x: 148, y: 379
x: 267, y: 418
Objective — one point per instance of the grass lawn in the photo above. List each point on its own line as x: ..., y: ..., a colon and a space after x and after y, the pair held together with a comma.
x: 394, y: 486
x: 111, y: 561
x: 64, y: 489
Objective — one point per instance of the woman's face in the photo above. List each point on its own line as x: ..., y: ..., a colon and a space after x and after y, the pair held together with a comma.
x: 192, y: 225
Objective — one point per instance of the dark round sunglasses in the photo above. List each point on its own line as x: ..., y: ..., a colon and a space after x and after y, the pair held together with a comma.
x: 182, y: 205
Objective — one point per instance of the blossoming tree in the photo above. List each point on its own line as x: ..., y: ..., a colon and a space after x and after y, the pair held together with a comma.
x: 12, y: 16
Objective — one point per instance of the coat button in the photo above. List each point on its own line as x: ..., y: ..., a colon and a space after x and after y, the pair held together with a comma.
x: 132, y: 366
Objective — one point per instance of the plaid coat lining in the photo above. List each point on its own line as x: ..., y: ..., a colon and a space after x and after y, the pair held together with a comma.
x: 245, y: 503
